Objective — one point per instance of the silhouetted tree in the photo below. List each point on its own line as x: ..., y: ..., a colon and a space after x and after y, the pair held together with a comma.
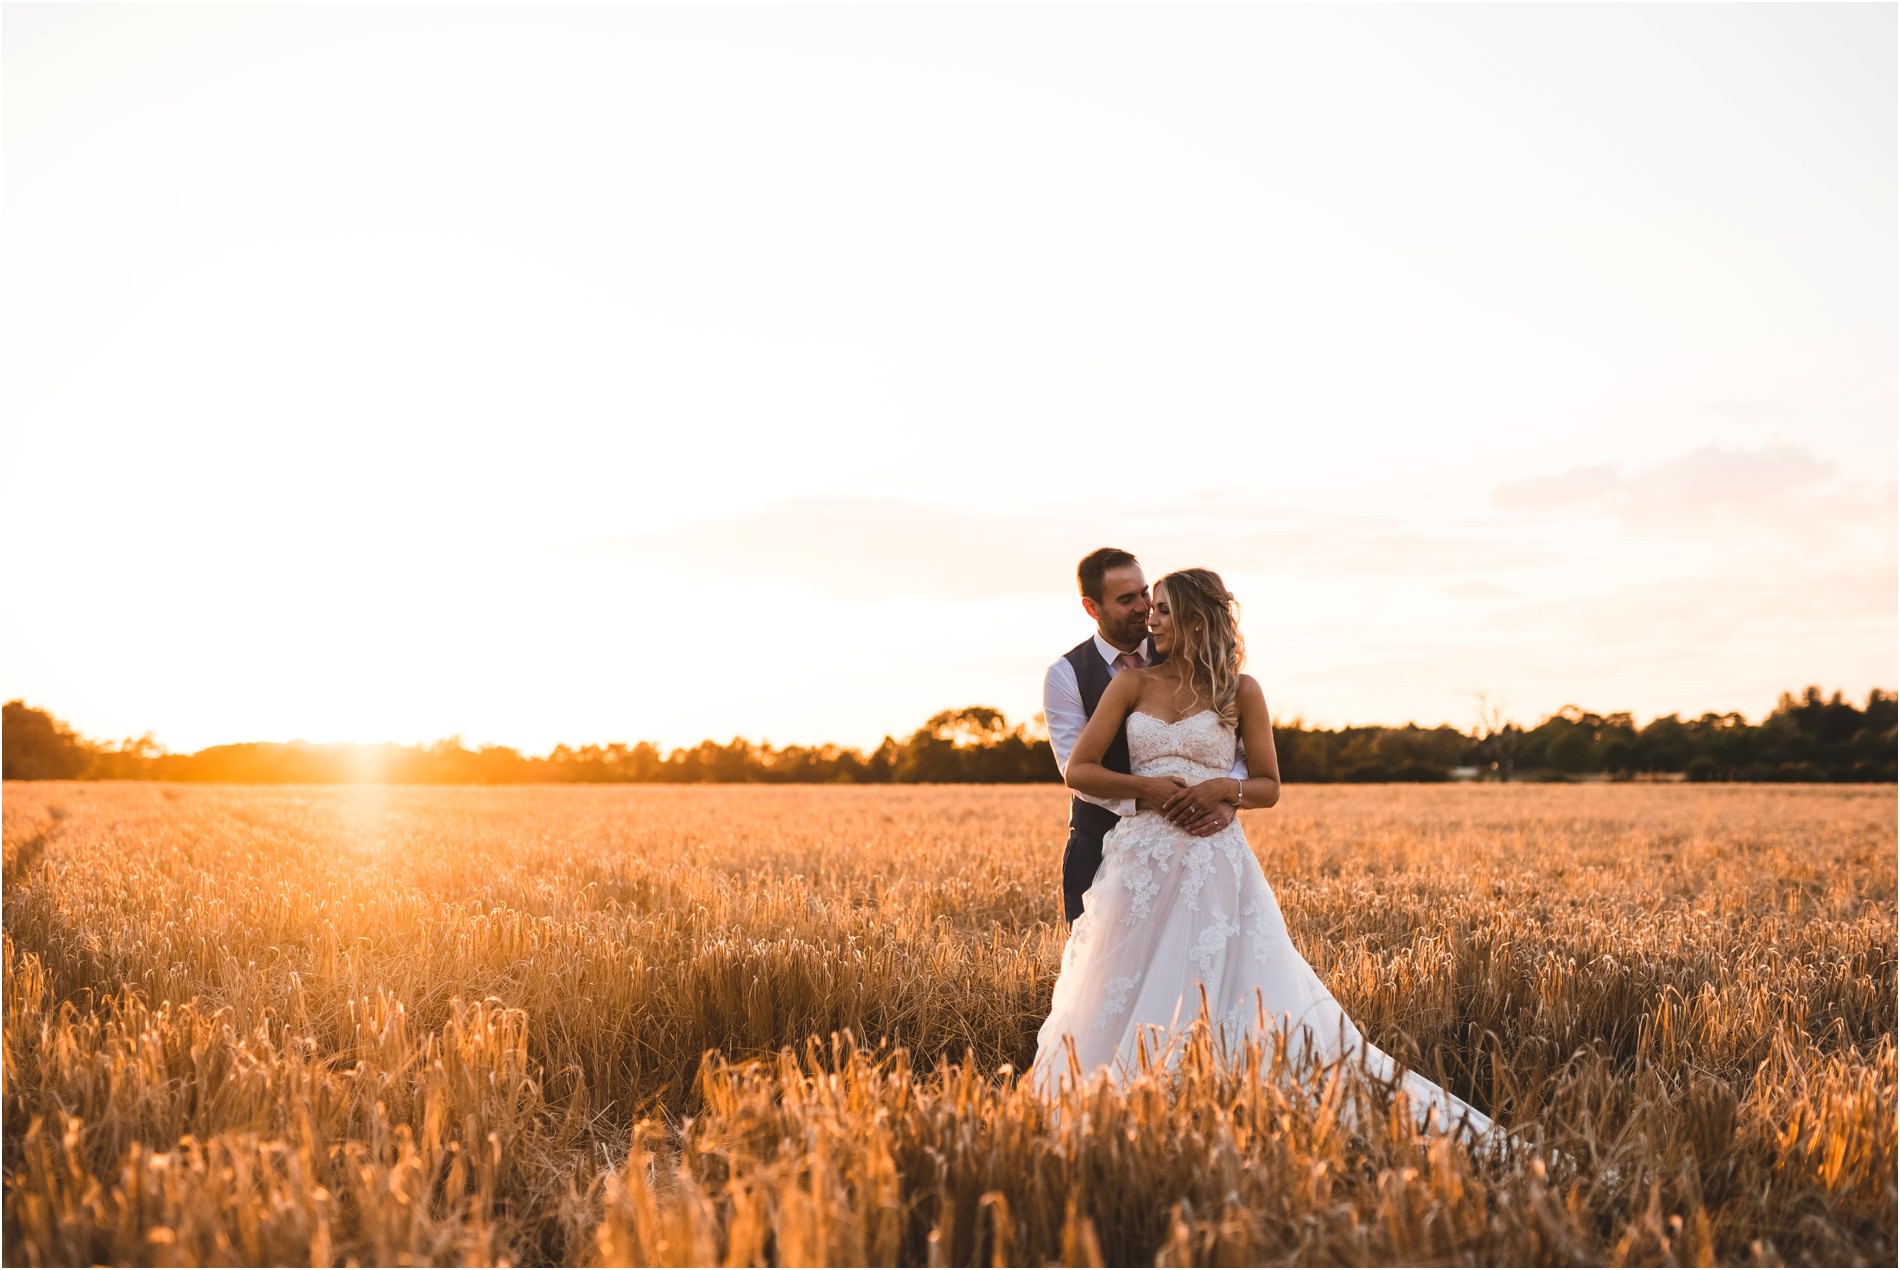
x: 1497, y: 739
x: 34, y: 746
x: 1665, y: 745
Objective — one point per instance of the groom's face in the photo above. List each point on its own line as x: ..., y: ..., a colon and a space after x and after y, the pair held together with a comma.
x: 1122, y: 612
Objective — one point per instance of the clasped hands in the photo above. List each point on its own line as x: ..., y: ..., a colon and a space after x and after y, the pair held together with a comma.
x: 1200, y: 809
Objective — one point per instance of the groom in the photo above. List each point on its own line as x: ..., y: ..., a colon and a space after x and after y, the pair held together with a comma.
x: 1116, y: 595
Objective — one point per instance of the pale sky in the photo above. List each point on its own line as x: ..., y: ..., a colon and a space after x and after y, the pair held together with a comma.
x: 597, y: 373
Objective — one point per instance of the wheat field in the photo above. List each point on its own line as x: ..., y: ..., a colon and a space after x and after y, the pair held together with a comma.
x: 747, y: 1025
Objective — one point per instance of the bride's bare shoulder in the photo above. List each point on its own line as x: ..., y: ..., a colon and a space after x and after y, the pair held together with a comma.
x: 1250, y: 687
x: 1145, y: 679
x: 1128, y: 688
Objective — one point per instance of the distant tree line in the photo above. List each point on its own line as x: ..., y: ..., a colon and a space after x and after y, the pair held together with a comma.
x: 1805, y: 738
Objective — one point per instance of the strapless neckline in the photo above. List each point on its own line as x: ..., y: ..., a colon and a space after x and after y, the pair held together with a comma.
x: 1169, y: 723
x: 1190, y: 746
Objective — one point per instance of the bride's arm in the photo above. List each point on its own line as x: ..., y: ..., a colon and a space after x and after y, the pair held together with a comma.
x: 1260, y: 788
x: 1085, y: 773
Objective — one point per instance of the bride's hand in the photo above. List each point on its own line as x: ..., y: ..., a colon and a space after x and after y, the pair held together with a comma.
x: 1193, y: 802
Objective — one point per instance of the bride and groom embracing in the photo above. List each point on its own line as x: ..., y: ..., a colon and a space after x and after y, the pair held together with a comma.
x: 1162, y: 739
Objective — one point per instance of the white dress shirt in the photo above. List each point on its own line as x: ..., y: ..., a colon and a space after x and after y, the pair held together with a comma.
x: 1062, y: 709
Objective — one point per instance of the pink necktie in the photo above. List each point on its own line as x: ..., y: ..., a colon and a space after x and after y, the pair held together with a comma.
x: 1128, y: 661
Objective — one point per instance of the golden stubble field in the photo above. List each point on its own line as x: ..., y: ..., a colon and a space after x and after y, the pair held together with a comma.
x: 385, y: 1025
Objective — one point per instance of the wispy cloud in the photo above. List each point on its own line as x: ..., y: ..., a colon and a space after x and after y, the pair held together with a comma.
x: 1782, y: 490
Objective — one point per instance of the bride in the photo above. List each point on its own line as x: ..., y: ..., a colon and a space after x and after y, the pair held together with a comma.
x: 1170, y: 915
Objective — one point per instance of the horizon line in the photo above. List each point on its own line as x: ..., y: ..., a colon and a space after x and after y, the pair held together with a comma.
x: 1033, y: 728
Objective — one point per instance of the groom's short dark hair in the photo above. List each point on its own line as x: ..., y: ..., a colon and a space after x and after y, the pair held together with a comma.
x: 1095, y: 566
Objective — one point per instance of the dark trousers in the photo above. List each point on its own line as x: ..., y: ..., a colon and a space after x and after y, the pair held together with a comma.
x: 1088, y: 825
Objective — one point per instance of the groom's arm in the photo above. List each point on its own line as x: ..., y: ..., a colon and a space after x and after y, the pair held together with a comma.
x: 1062, y: 708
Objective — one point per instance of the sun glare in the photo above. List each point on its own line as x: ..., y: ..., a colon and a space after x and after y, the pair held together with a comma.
x: 365, y: 764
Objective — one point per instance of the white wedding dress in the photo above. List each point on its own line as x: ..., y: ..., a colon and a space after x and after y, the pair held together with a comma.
x: 1170, y: 914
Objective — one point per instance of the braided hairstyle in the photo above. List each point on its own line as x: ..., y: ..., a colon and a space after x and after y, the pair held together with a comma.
x: 1207, y: 643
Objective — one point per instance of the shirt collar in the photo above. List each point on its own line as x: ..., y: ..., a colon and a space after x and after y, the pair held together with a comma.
x: 1109, y: 652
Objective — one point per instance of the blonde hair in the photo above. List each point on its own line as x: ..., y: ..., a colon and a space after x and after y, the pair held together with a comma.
x: 1207, y: 643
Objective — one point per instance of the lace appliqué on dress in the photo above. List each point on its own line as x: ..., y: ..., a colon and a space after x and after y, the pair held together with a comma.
x: 1115, y: 999
x: 1196, y: 867
x: 1213, y: 940
x: 1260, y: 915
x: 1139, y: 880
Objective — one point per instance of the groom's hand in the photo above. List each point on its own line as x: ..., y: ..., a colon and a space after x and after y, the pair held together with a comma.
x: 1165, y: 788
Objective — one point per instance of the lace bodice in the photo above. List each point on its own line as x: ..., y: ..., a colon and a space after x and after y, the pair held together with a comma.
x: 1199, y: 747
